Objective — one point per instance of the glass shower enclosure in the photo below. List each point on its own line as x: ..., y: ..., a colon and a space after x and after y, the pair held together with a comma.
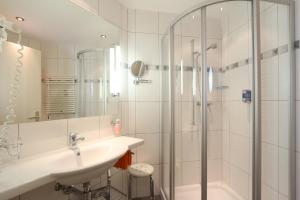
x: 93, y: 82
x: 228, y: 128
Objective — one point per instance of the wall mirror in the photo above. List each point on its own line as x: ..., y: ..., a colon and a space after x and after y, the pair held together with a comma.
x: 69, y: 50
x: 138, y: 69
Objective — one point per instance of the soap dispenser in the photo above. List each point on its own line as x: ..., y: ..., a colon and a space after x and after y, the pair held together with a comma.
x: 117, y: 127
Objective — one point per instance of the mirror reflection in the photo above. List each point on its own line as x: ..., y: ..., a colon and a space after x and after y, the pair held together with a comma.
x: 56, y: 66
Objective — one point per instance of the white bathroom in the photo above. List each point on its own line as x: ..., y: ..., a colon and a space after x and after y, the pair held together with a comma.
x: 107, y: 99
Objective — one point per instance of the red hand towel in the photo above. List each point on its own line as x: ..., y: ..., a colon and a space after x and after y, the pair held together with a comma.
x: 125, y: 161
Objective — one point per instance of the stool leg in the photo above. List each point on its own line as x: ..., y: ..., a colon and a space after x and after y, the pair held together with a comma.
x: 108, y: 197
x: 129, y: 188
x: 151, y: 188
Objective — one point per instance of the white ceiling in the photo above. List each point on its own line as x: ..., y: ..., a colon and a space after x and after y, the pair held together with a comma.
x: 172, y: 6
x: 59, y: 21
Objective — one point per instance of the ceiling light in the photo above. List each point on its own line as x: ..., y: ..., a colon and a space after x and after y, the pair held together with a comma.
x: 103, y: 36
x: 221, y: 9
x: 21, y: 19
x: 193, y: 16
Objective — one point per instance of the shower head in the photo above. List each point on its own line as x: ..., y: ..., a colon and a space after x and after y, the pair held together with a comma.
x: 212, y: 46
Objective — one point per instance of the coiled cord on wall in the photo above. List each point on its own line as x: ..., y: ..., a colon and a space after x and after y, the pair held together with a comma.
x: 13, y: 149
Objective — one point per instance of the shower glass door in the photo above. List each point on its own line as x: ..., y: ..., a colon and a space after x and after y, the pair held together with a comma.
x: 229, y: 115
x: 187, y: 106
x: 277, y: 105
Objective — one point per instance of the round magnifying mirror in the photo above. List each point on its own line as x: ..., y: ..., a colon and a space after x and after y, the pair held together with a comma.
x: 138, y: 69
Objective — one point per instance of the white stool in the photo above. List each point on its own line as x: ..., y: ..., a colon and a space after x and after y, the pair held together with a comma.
x: 141, y: 170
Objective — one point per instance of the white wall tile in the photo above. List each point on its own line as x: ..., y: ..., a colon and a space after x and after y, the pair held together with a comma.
x: 49, y: 51
x: 146, y: 21
x: 284, y: 76
x: 214, y: 170
x: 149, y: 91
x: 178, y: 173
x: 66, y: 51
x: 283, y: 24
x: 149, y: 151
x: 269, y: 119
x: 240, y: 151
x: 190, y: 146
x: 239, y: 181
x: 178, y: 115
x: 132, y: 117
x: 283, y: 176
x: 214, y: 29
x: 269, y: 33
x: 187, y: 121
x: 239, y: 44
x: 187, y: 85
x: 226, y: 173
x: 214, y: 145
x: 147, y: 117
x: 106, y: 128
x: 165, y: 147
x: 190, y: 173
x: 149, y: 55
x: 238, y: 15
x: 270, y: 165
x: 283, y: 123
x: 124, y: 46
x: 131, y: 20
x: 42, y: 136
x: 226, y: 146
x: 239, y: 75
x: 165, y: 20
x: 124, y: 85
x: 124, y: 18
x: 52, y: 67
x: 283, y: 197
x: 240, y: 116
x: 226, y: 108
x: 87, y: 127
x: 268, y: 193
x: 191, y: 24
x: 66, y: 67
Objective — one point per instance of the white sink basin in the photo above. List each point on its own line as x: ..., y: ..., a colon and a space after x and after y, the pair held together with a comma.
x: 64, y: 165
x: 93, y: 161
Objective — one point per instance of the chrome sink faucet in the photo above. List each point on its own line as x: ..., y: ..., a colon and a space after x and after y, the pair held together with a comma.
x: 73, y: 139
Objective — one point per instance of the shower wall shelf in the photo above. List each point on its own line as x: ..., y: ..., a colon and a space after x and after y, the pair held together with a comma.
x: 221, y: 87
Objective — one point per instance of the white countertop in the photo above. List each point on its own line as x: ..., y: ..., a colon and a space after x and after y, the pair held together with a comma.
x: 24, y: 175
